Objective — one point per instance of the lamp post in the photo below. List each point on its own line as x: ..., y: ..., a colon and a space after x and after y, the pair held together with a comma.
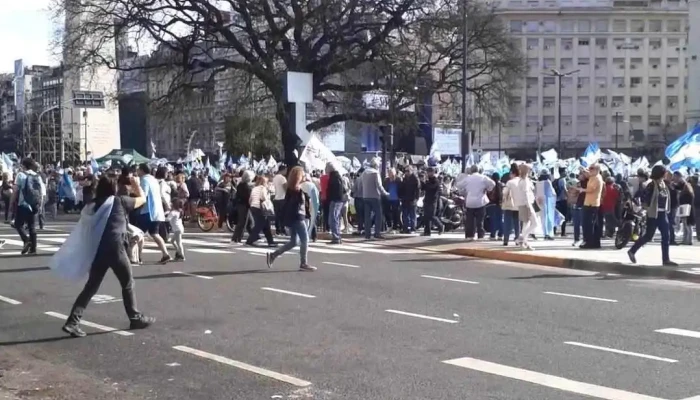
x: 557, y: 74
x: 466, y: 135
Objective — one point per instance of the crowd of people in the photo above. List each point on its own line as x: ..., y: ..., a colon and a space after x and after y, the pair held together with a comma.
x: 157, y: 202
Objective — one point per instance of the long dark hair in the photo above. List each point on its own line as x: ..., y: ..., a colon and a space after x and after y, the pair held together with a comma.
x: 105, y: 187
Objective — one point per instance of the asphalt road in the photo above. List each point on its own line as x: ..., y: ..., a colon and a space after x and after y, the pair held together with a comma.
x: 373, y: 322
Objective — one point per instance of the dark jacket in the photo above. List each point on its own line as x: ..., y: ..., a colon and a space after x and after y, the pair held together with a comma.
x: 243, y: 191
x: 409, y: 189
x: 335, y: 187
x: 431, y: 187
x: 293, y: 200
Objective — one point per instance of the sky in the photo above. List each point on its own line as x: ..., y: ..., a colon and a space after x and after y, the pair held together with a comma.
x: 26, y: 32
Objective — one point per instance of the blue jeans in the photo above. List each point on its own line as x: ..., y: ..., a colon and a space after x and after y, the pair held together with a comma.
x: 334, y: 211
x: 495, y: 220
x: 576, y: 221
x: 408, y: 214
x: 660, y: 222
x: 510, y: 223
x: 373, y: 214
x: 297, y: 230
x: 360, y: 213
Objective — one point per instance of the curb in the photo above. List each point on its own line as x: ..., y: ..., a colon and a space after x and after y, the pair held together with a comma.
x: 647, y: 271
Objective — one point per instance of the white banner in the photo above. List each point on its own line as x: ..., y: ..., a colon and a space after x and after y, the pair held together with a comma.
x: 333, y: 136
x: 448, y: 140
x: 316, y: 155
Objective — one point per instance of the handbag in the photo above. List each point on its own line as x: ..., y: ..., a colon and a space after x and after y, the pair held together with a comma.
x: 266, y: 206
x: 536, y: 207
x: 683, y: 211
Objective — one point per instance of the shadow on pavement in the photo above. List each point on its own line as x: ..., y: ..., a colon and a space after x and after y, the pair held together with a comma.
x: 29, y: 256
x: 214, y: 273
x: 28, y: 269
x: 46, y: 340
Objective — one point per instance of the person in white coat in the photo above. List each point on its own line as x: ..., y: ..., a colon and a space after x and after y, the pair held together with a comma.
x: 523, y: 199
x: 547, y: 201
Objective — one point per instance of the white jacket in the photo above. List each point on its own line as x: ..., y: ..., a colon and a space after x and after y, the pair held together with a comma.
x: 525, y: 193
x: 508, y: 192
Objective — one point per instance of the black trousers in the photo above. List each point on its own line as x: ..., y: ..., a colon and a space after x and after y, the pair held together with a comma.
x: 325, y: 207
x: 6, y: 204
x: 261, y: 224
x: 112, y: 256
x: 279, y: 226
x: 429, y: 218
x: 242, y: 219
x: 474, y: 222
x: 563, y: 208
x: 27, y: 217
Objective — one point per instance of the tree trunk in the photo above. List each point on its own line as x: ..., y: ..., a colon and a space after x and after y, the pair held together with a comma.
x: 290, y: 140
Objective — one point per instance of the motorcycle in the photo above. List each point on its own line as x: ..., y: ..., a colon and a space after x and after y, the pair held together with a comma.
x: 451, y: 213
x: 633, y: 225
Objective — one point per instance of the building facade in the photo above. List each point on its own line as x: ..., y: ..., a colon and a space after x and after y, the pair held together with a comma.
x: 627, y: 62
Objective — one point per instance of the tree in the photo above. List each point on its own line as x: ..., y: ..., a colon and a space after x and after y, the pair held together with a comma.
x: 255, y: 134
x: 402, y: 48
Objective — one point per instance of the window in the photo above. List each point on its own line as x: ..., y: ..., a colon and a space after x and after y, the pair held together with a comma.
x: 548, y: 102
x: 655, y: 25
x: 618, y: 101
x: 584, y: 61
x: 533, y: 44
x: 673, y: 25
x: 548, y: 120
x: 584, y: 25
x: 567, y: 63
x: 568, y: 25
x: 671, y: 82
x: 550, y: 63
x: 567, y: 44
x: 601, y: 82
x: 567, y: 81
x: 636, y: 119
x: 685, y: 82
x: 673, y: 42
x: 672, y: 62
x: 619, y: 63
x: 654, y: 63
x: 601, y: 43
x: 583, y: 100
x: 532, y: 26
x: 584, y: 82
x: 549, y: 44
x: 635, y: 81
x: 600, y: 99
x: 637, y: 25
x: 601, y: 25
x: 619, y: 25
x: 654, y: 82
x: 654, y: 120
x: 672, y: 119
x: 636, y: 99
x: 655, y: 44
x: 618, y: 82
x: 601, y: 63
x: 550, y: 26
x: 567, y: 101
x: 533, y: 64
x: 532, y: 82
x: 531, y: 101
x: 583, y: 42
x: 582, y: 119
x: 548, y: 80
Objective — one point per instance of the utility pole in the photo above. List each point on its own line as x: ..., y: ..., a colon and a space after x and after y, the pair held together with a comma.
x: 555, y: 73
x: 466, y: 135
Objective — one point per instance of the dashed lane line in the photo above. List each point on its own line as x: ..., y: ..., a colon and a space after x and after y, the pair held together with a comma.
x: 91, y: 324
x: 409, y: 314
x: 442, y: 278
x: 10, y: 301
x: 308, y: 296
x: 628, y: 353
x: 578, y: 296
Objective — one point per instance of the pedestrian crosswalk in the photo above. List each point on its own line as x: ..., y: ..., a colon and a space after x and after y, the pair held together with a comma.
x: 219, y: 245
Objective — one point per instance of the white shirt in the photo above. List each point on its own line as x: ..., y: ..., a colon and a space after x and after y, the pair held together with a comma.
x: 475, y: 186
x: 278, y: 183
x: 258, y: 195
x: 509, y: 194
x: 175, y: 220
x: 524, y: 195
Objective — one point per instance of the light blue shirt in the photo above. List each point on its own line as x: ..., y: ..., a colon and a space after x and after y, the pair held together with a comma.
x: 154, y: 201
x: 21, y: 182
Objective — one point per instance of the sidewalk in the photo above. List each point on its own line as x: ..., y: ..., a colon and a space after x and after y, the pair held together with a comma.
x: 560, y: 253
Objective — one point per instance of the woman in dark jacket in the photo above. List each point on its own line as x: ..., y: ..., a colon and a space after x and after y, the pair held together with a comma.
x: 335, y: 197
x: 111, y: 253
x: 242, y: 206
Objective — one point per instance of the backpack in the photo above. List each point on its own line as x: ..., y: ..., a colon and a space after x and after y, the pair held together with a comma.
x: 31, y: 192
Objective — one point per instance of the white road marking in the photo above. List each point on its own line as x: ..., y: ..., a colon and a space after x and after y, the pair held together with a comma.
x: 210, y: 251
x: 91, y: 324
x: 10, y: 301
x: 449, y: 321
x: 449, y: 279
x: 308, y: 296
x: 19, y: 243
x: 629, y: 353
x: 341, y: 264
x: 551, y: 381
x: 693, y: 398
x: 192, y: 275
x: 680, y: 332
x: 104, y: 299
x: 581, y: 297
x: 247, y: 367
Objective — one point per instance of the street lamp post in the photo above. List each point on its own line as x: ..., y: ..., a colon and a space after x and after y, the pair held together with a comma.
x: 466, y: 135
x: 556, y: 73
x: 617, y: 120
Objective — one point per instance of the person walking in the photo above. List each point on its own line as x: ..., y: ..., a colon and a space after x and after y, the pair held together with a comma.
x: 591, y: 206
x: 686, y: 213
x: 6, y: 191
x: 392, y: 183
x: 295, y: 211
x: 431, y: 202
x: 279, y: 182
x: 695, y: 184
x: 475, y: 186
x: 359, y: 202
x: 242, y: 206
x: 335, y: 197
x: 562, y: 204
x: 546, y: 199
x: 409, y: 193
x: 510, y: 210
x: 111, y: 254
x: 609, y: 206
x: 494, y: 210
x: 258, y: 196
x: 174, y: 216
x: 29, y: 193
x: 152, y: 215
x: 524, y: 200
x: 372, y: 193
x: 656, y: 200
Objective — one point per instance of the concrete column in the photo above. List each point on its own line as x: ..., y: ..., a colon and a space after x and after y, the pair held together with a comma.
x: 693, y: 106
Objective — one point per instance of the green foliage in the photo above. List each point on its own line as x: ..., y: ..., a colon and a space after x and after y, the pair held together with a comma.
x: 255, y: 134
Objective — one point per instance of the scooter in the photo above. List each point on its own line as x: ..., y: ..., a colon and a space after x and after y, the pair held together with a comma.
x: 634, y: 223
